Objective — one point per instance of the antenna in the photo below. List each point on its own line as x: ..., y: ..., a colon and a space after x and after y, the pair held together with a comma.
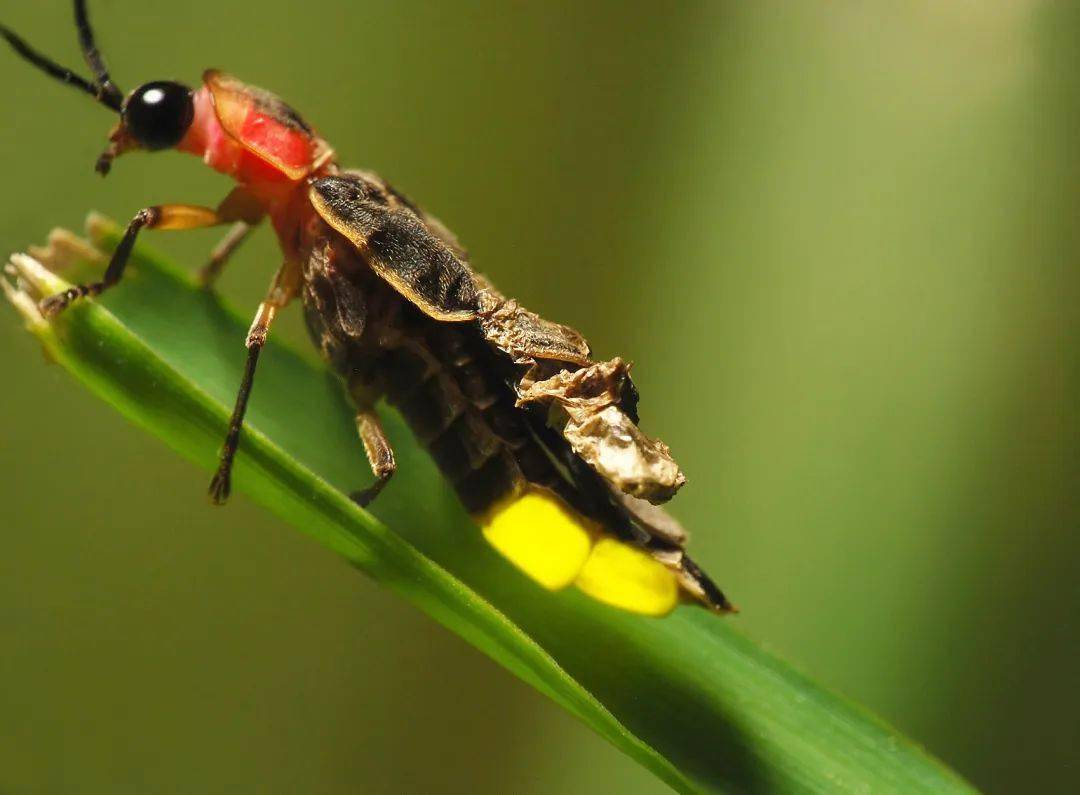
x: 102, y: 89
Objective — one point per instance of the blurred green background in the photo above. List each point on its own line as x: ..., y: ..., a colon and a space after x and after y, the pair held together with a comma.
x: 839, y: 240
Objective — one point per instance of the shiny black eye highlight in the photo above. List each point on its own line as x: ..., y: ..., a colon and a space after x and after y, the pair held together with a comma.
x: 158, y: 114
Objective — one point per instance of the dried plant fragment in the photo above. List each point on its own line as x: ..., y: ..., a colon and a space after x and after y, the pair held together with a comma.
x: 585, y: 407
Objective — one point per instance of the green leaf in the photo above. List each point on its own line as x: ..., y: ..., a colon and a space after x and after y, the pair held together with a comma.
x: 687, y: 696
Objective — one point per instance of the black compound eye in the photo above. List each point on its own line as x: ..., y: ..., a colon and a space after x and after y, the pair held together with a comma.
x: 158, y: 114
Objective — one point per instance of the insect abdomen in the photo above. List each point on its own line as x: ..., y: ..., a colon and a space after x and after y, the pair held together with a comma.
x: 460, y: 410
x: 451, y: 393
x: 536, y: 502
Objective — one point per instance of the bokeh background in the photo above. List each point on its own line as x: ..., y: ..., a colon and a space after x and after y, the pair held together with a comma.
x: 840, y: 241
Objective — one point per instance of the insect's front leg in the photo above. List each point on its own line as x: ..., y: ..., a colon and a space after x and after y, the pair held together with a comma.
x: 246, y: 210
x: 221, y: 253
x: 163, y: 216
x: 282, y: 290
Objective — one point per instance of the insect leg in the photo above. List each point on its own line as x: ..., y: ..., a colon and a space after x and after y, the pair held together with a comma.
x: 246, y: 210
x: 379, y: 452
x: 165, y: 216
x: 281, y: 292
x: 220, y: 254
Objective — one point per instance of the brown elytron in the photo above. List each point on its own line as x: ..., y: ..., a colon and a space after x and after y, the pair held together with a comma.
x: 503, y: 399
x: 540, y: 442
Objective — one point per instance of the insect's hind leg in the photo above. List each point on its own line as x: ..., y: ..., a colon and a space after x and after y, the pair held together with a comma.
x: 379, y: 454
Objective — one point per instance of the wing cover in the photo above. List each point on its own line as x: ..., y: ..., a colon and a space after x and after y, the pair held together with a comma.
x: 398, y: 245
x: 525, y: 336
x: 540, y: 441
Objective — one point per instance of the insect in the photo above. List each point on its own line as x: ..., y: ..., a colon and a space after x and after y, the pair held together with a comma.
x: 540, y: 442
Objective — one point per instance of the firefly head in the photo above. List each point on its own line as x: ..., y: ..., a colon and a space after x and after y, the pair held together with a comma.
x: 154, y: 116
x: 157, y: 115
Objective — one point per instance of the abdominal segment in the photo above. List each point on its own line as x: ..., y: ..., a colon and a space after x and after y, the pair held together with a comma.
x: 451, y: 392
x: 558, y: 547
x: 535, y: 500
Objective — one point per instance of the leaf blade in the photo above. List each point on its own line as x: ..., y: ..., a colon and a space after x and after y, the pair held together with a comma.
x: 688, y: 697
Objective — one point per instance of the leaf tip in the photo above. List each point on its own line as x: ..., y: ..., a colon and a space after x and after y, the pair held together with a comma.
x: 33, y: 276
x: 99, y: 227
x: 25, y: 281
x: 64, y: 250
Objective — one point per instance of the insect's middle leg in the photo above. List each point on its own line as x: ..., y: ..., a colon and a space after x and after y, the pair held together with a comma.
x: 164, y: 216
x: 221, y: 484
x: 281, y: 292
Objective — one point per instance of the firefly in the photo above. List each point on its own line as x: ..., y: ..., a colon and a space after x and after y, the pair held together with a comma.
x: 539, y: 440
